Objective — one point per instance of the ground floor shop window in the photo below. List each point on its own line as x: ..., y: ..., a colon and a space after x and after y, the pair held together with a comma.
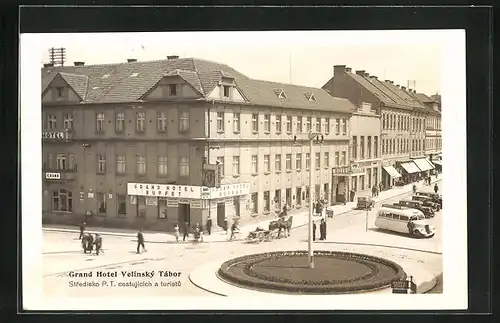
x: 122, y: 204
x: 141, y: 206
x: 101, y: 203
x: 62, y: 201
x: 162, y: 208
x: 362, y: 182
x: 325, y: 191
x: 255, y: 203
x: 267, y: 201
x: 369, y: 176
x: 307, y: 194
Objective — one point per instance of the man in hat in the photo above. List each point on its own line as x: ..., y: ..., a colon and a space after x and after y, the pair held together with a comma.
x: 314, y: 230
x: 322, y: 229
x: 82, y: 229
x: 140, y: 241
x: 436, y: 188
x: 185, y: 231
x: 209, y: 224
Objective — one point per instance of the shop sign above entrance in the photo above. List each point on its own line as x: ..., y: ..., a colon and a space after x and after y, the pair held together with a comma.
x: 163, y: 190
x: 54, y: 135
x: 53, y: 175
x: 347, y: 170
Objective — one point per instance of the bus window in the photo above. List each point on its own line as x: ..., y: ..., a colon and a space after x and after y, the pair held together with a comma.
x: 395, y: 216
x: 403, y: 218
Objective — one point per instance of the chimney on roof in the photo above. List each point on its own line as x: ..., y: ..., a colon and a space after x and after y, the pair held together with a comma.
x: 131, y: 60
x: 172, y: 57
x: 398, y: 86
x: 348, y: 69
x: 48, y: 65
x: 339, y: 69
x: 373, y: 77
x: 367, y: 74
x: 79, y: 63
x: 403, y: 88
x: 362, y: 72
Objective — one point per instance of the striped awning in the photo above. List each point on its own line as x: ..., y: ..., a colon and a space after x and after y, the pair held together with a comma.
x: 392, y: 171
x: 410, y: 167
x: 423, y: 164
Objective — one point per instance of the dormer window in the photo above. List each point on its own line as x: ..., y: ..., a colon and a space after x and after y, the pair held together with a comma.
x: 310, y: 97
x: 280, y: 94
x: 227, y: 89
x: 172, y: 89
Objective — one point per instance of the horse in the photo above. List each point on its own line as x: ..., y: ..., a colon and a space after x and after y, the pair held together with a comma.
x: 281, y: 224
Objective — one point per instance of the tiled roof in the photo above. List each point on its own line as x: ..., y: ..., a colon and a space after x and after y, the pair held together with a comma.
x: 127, y: 82
x: 389, y: 94
x: 422, y: 97
x: 79, y: 83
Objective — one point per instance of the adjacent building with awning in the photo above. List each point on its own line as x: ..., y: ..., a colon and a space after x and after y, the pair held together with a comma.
x: 423, y: 164
x: 410, y: 167
x: 392, y: 171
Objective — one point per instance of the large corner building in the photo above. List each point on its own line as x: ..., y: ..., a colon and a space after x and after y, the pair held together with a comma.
x: 129, y: 141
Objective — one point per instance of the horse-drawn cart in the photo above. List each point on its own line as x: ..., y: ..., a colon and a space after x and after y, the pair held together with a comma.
x: 259, y: 236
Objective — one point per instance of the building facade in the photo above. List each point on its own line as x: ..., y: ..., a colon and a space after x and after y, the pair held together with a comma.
x: 402, y: 121
x: 365, y: 156
x: 129, y: 143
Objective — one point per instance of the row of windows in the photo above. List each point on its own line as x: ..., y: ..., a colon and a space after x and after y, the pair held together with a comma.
x: 400, y: 145
x: 340, y: 160
x: 362, y: 146
x: 401, y: 122
x: 433, y: 123
x: 433, y: 143
x: 140, y: 122
x: 66, y: 162
x: 340, y: 124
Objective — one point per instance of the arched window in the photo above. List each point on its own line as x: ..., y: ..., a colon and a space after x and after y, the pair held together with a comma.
x: 62, y: 201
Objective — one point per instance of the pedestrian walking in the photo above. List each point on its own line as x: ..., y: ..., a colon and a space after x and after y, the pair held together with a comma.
x: 82, y: 229
x: 414, y: 188
x: 185, y: 231
x: 234, y: 227
x: 436, y: 188
x: 224, y: 225
x: 176, y: 232
x: 209, y: 225
x: 97, y: 243
x: 314, y: 231
x: 140, y: 241
x: 322, y: 230
x: 353, y: 193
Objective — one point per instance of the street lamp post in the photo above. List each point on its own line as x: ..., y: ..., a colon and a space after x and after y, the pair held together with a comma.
x: 319, y: 138
x: 310, y: 222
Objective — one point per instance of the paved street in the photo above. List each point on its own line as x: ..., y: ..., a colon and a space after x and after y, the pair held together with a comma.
x: 62, y: 254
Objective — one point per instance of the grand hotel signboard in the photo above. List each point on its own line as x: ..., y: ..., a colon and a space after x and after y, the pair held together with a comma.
x: 347, y: 171
x: 186, y: 191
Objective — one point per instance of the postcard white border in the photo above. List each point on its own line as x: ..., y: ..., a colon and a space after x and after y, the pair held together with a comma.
x: 453, y: 87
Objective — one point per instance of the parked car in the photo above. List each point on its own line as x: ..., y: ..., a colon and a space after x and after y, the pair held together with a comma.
x: 434, y: 196
x: 365, y: 202
x: 427, y: 201
x: 418, y: 205
x: 404, y: 220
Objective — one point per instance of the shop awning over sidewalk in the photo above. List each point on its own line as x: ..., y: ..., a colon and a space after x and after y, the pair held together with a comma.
x: 423, y: 164
x: 392, y: 171
x: 410, y: 167
x: 437, y: 163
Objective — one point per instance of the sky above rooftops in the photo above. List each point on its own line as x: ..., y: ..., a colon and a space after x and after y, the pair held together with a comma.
x: 298, y: 57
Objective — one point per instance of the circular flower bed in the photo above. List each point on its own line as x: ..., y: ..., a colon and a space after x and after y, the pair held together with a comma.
x: 333, y: 273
